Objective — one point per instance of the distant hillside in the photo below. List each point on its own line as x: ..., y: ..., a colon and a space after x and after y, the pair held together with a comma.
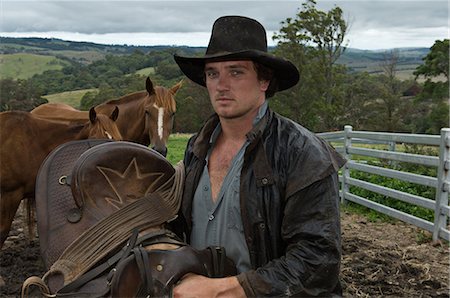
x: 86, y: 52
x: 370, y: 61
x: 24, y: 66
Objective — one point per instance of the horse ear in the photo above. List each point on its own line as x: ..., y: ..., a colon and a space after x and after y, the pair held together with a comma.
x: 149, y: 86
x: 92, y: 115
x: 175, y: 88
x: 115, y: 114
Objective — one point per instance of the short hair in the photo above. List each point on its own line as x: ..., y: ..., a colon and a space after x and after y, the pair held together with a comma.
x: 266, y: 73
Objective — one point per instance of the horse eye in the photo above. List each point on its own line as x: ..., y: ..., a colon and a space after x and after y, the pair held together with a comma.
x: 108, y: 135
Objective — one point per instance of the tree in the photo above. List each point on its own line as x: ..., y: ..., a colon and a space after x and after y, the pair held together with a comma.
x: 436, y: 62
x: 434, y: 98
x: 19, y: 95
x: 389, y: 118
x: 168, y: 69
x: 193, y: 107
x: 314, y: 41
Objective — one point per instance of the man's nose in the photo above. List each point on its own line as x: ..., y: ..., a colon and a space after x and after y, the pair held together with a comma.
x: 223, y: 82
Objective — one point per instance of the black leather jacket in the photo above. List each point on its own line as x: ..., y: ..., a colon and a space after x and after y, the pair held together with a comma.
x: 290, y: 207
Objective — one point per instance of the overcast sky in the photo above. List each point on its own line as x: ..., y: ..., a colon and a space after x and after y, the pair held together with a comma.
x: 374, y: 24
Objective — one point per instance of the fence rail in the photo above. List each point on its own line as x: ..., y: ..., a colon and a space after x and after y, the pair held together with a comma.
x: 441, y: 183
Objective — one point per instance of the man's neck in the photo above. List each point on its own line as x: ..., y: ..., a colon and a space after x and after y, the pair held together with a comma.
x: 236, y: 129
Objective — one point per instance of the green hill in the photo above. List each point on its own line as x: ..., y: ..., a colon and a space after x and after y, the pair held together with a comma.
x: 71, y: 98
x: 83, y: 52
x: 24, y: 66
x: 43, y: 50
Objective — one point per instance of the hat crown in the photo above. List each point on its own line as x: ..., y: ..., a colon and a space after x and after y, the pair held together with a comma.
x: 234, y: 34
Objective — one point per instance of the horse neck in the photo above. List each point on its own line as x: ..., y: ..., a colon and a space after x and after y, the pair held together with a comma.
x: 131, y: 121
x: 58, y: 133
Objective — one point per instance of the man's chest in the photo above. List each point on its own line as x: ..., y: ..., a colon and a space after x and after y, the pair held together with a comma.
x: 219, y: 164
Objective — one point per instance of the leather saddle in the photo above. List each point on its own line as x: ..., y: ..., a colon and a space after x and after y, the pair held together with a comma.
x: 102, y: 209
x: 83, y: 182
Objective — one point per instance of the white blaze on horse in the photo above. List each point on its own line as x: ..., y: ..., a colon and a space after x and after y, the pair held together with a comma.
x: 26, y: 141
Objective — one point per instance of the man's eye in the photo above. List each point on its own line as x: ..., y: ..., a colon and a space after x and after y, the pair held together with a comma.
x: 235, y: 73
x: 211, y: 74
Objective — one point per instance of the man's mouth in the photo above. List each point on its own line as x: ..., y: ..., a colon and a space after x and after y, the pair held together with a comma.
x: 224, y: 99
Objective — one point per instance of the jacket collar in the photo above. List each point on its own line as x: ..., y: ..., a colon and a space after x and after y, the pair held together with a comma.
x: 201, y: 144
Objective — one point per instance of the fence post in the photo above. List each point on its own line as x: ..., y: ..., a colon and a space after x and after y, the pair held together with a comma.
x: 345, y: 171
x: 392, y: 146
x: 443, y: 185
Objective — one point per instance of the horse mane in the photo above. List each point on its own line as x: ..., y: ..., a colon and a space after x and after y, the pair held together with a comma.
x: 165, y: 99
x: 127, y: 98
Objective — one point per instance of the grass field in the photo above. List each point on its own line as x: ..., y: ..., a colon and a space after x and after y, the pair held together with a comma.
x: 176, y: 146
x: 72, y: 98
x: 146, y: 71
x: 84, y: 57
x: 24, y: 66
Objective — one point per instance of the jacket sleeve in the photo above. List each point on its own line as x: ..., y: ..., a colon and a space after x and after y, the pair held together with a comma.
x: 311, y: 230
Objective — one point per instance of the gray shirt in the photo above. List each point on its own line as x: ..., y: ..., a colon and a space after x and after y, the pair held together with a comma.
x: 220, y: 223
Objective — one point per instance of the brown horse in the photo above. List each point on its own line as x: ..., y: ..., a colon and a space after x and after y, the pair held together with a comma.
x: 146, y: 117
x: 26, y: 141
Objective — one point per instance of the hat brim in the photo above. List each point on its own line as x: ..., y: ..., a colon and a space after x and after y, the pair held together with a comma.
x: 285, y: 72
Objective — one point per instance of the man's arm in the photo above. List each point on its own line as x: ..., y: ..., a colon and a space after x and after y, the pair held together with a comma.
x: 311, y: 230
x: 193, y: 285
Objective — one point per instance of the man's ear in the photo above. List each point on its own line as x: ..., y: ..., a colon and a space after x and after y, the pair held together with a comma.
x: 264, y: 85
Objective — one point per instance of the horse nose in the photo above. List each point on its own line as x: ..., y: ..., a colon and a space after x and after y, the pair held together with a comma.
x: 162, y: 150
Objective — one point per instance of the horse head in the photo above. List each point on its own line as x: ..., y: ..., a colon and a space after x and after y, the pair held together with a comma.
x: 159, y: 114
x: 102, y: 126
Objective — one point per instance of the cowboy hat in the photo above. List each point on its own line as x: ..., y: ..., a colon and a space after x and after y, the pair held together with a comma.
x: 239, y: 38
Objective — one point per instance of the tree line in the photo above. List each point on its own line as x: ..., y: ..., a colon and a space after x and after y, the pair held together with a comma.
x: 327, y: 97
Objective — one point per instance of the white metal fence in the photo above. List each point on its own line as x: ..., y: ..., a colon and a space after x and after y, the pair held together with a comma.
x: 441, y: 183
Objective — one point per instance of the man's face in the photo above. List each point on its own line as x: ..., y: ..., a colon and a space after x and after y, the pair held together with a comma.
x: 234, y: 88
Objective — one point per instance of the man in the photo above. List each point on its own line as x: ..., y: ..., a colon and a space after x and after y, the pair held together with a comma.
x: 258, y: 184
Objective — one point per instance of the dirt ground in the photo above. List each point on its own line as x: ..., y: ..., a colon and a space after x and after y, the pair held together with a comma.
x: 379, y: 260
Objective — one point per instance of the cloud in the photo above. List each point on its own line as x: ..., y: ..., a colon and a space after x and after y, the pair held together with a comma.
x: 134, y: 16
x: 386, y: 23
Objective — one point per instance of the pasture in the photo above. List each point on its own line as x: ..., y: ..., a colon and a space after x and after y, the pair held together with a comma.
x: 177, y: 143
x: 24, y: 66
x: 146, y: 71
x: 72, y: 98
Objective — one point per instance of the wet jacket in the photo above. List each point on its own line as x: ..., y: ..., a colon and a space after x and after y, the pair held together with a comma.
x: 289, y: 201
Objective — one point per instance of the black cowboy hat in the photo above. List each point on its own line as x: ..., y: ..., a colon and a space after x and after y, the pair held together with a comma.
x: 238, y: 38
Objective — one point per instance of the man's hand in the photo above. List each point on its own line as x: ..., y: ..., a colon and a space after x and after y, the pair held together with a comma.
x: 193, y: 285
